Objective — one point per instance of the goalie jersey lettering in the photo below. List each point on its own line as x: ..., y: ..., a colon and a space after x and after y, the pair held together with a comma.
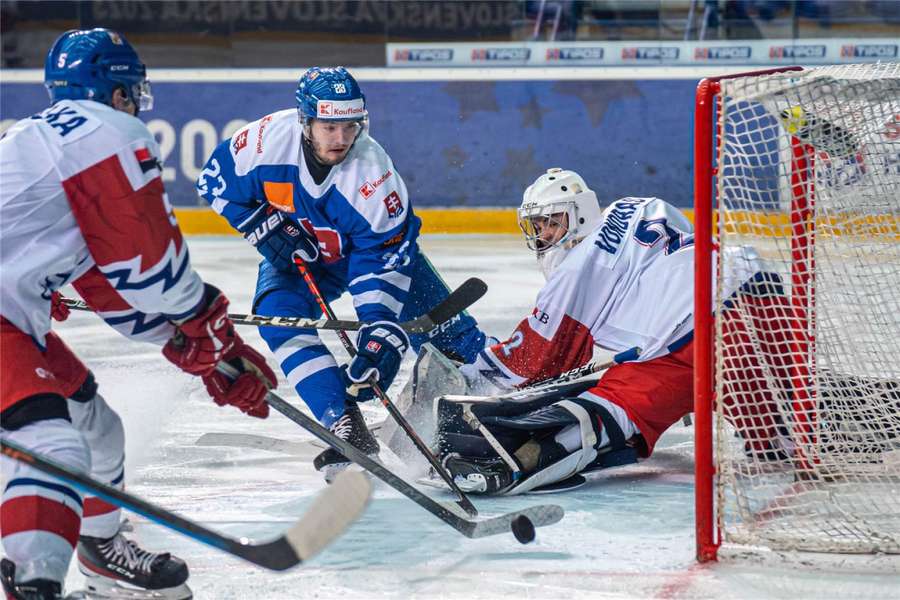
x: 82, y: 192
x: 627, y: 288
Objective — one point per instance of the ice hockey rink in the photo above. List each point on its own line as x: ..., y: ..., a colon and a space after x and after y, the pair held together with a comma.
x: 627, y: 534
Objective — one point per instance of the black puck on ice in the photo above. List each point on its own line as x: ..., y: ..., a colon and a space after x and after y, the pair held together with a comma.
x: 523, y: 529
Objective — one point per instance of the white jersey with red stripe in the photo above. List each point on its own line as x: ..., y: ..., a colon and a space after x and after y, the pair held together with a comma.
x: 82, y: 192
x: 627, y: 287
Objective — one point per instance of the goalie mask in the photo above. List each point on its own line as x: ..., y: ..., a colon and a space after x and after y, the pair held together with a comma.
x: 558, y: 210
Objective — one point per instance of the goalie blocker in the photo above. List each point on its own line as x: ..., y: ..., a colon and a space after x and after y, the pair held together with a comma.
x: 533, y: 443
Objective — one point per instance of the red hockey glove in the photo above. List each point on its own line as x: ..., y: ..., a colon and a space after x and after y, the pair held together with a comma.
x: 248, y: 391
x: 201, y: 341
x: 58, y: 310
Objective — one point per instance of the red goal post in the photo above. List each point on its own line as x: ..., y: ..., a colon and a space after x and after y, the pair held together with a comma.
x: 799, y: 170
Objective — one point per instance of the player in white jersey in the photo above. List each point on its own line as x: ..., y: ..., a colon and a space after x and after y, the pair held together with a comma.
x: 620, y: 279
x: 311, y: 182
x: 82, y: 203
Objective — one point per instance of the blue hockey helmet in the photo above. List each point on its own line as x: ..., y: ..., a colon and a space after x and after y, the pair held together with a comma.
x: 330, y: 93
x: 91, y: 64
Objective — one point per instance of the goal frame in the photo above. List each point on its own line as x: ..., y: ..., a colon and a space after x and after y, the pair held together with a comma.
x: 708, y: 536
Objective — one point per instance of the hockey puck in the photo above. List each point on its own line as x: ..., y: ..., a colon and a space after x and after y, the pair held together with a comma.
x: 523, y: 529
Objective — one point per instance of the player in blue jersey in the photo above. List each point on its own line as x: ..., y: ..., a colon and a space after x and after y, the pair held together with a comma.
x: 311, y: 182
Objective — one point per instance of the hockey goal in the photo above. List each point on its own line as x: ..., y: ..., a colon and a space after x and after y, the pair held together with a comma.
x: 797, y: 398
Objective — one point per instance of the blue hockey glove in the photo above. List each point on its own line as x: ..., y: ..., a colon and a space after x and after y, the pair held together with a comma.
x: 278, y: 238
x: 380, y: 349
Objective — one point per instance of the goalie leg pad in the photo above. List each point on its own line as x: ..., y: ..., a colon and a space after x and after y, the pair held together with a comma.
x: 588, y: 433
x: 433, y: 375
x: 597, y: 441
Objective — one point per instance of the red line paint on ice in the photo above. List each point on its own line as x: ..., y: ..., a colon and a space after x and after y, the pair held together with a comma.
x: 680, y: 582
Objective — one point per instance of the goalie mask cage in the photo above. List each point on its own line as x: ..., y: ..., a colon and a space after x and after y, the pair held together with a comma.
x: 797, y: 412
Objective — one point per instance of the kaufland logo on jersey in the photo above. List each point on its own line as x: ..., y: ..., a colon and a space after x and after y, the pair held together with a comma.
x: 869, y: 51
x: 369, y: 187
x: 589, y: 53
x: 806, y: 51
x: 501, y: 54
x: 424, y: 55
x: 650, y: 53
x: 340, y: 109
x: 723, y: 53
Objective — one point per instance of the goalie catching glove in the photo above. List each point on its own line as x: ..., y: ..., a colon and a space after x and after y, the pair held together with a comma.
x: 380, y: 346
x: 208, y: 337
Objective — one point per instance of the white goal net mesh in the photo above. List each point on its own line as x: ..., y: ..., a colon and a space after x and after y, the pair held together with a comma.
x: 807, y: 428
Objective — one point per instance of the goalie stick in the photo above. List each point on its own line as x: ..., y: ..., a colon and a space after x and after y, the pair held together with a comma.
x: 459, y: 299
x: 332, y: 511
x: 540, y: 516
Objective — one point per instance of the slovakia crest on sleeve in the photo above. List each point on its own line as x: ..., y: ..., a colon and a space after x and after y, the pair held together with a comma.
x: 393, y: 204
x: 240, y: 141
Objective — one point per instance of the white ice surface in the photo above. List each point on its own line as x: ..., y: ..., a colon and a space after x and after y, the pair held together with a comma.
x: 627, y: 534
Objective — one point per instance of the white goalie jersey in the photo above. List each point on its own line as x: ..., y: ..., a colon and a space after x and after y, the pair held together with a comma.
x: 627, y: 288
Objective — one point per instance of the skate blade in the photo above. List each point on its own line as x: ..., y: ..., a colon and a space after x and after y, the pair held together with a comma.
x: 438, y: 484
x: 573, y: 482
x: 465, y: 485
x: 101, y: 588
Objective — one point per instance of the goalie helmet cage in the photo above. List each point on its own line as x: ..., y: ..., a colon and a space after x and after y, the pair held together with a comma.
x: 804, y: 166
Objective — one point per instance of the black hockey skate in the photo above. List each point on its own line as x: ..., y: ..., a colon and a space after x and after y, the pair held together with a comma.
x: 479, y: 475
x: 352, y: 428
x: 117, y: 567
x: 36, y: 589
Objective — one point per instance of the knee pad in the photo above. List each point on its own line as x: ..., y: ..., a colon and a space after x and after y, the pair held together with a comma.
x: 104, y: 434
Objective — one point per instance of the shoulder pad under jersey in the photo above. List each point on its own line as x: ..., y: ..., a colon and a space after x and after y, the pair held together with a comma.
x: 100, y: 132
x: 371, y: 185
x: 271, y: 140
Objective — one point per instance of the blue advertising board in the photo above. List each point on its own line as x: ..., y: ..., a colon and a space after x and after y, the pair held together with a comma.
x: 457, y: 143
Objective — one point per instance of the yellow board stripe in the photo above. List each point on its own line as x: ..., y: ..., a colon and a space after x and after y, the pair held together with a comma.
x: 203, y: 221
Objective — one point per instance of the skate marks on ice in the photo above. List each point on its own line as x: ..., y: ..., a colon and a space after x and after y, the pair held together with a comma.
x: 627, y: 534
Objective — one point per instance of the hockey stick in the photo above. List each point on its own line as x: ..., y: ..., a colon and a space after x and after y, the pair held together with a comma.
x: 332, y: 511
x: 568, y: 376
x: 539, y: 516
x: 459, y: 299
x: 464, y: 501
x: 252, y: 441
x: 271, y: 444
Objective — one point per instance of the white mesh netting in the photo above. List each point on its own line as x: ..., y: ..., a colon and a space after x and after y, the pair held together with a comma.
x: 808, y: 354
